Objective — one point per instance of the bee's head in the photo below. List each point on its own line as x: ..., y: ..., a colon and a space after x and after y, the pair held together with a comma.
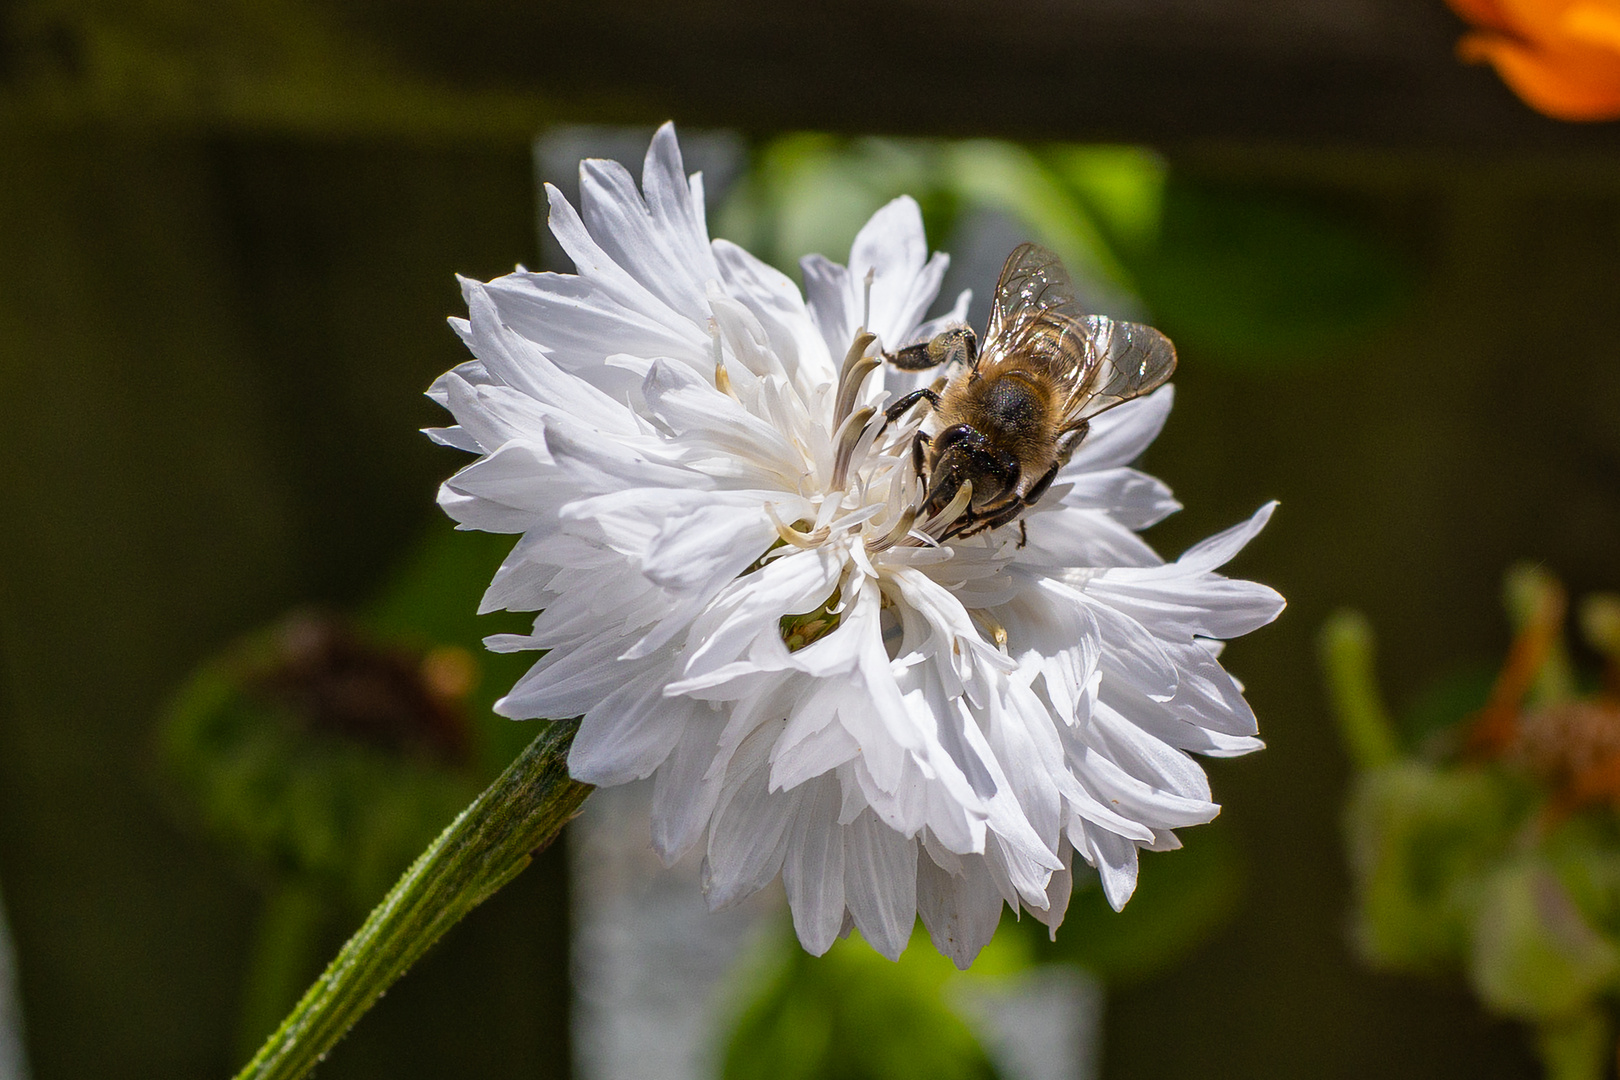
x: 961, y: 454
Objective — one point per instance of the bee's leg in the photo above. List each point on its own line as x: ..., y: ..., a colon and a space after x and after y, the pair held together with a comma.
x: 993, y: 521
x: 898, y: 409
x: 1069, y: 441
x: 957, y: 343
x: 1040, y: 486
x: 917, y: 460
x: 1007, y: 514
x: 912, y: 357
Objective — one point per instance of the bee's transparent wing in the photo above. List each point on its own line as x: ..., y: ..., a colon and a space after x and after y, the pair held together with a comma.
x: 1037, y: 318
x: 1123, y: 360
x: 1034, y: 291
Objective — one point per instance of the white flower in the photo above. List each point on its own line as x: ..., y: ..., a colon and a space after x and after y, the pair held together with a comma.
x: 738, y: 596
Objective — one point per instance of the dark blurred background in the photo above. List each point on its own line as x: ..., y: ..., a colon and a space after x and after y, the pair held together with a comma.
x: 227, y: 239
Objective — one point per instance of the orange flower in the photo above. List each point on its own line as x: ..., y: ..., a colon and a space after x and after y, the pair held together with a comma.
x: 1561, y: 56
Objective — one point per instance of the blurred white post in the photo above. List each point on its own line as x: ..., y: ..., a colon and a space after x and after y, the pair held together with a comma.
x: 1042, y: 1024
x: 650, y: 961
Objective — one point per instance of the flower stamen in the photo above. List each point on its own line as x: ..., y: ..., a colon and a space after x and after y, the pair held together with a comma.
x: 848, y: 437
x: 722, y: 380
x: 793, y: 536
x: 954, y: 509
x: 998, y: 633
x: 857, y: 366
x: 901, y: 529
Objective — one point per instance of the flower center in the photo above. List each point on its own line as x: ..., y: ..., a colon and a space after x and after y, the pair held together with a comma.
x: 800, y: 630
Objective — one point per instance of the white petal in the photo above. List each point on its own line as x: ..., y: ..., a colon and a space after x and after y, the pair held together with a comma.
x: 1131, y: 655
x: 776, y: 303
x: 1057, y: 536
x: 1181, y: 607
x: 1148, y: 758
x: 683, y: 797
x: 751, y: 607
x: 1115, y: 860
x: 1134, y: 499
x: 1221, y: 548
x: 1058, y: 892
x: 499, y: 492
x: 880, y: 883
x: 690, y: 406
x: 660, y: 239
x: 961, y: 910
x: 748, y: 834
x: 813, y: 872
x: 568, y: 682
x: 1118, y: 436
x: 630, y: 732
x: 513, y: 361
x: 905, y: 281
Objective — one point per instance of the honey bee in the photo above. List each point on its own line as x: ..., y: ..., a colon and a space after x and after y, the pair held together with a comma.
x: 1010, y: 414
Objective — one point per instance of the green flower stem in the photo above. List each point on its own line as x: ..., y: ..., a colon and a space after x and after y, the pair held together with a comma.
x: 484, y: 848
x: 286, y: 946
x: 1347, y: 656
x: 1533, y: 595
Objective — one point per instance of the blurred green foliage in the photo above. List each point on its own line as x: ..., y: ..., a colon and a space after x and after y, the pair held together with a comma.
x: 324, y: 754
x: 1421, y: 839
x: 1487, y: 842
x: 431, y: 599
x: 1263, y: 279
x: 244, y: 64
x: 311, y: 796
x: 854, y: 1015
x: 1181, y: 899
x: 1437, y: 706
x: 326, y: 808
x: 811, y: 194
x: 1251, y: 279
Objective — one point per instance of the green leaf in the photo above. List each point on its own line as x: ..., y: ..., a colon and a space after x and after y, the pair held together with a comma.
x: 340, y: 816
x: 426, y: 604
x: 1584, y: 852
x: 1444, y: 703
x: 1122, y: 186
